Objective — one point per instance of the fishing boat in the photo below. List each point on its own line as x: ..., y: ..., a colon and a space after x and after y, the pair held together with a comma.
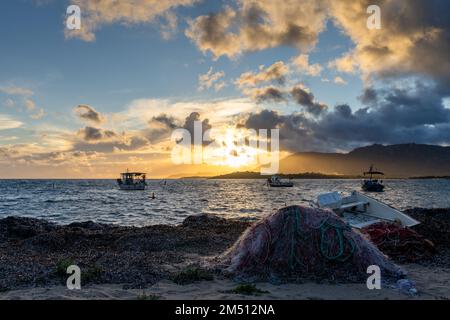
x: 372, y: 184
x: 360, y: 210
x: 132, y: 181
x: 276, y: 182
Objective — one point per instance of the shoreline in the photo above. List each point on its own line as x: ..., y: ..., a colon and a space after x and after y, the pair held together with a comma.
x: 119, y: 261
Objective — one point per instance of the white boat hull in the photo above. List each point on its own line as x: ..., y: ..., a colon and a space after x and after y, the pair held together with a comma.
x: 384, y: 212
x: 360, y: 210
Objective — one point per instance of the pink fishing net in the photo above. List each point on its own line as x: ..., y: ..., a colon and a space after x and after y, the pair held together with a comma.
x: 297, y: 243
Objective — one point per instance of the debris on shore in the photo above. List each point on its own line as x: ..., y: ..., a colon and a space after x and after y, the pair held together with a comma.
x: 33, y: 252
x: 402, y: 244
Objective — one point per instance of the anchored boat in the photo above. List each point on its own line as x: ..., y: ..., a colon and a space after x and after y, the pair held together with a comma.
x: 360, y: 210
x: 373, y: 184
x: 132, y: 181
x: 276, y: 182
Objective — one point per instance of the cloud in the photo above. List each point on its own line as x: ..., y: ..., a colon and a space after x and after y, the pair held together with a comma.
x: 218, y: 111
x: 29, y: 104
x: 170, y: 26
x: 95, y: 134
x: 16, y: 91
x: 294, y: 132
x: 339, y: 80
x: 161, y: 127
x: 369, y: 96
x: 189, y: 125
x: 413, y: 39
x: 305, y: 98
x: 9, y: 103
x: 415, y: 113
x: 6, y: 122
x: 257, y: 25
x: 210, y: 33
x: 96, y: 14
x: 107, y: 141
x: 347, y: 63
x: 211, y: 79
x: 274, y: 73
x: 88, y: 113
x: 164, y: 120
x: 301, y: 63
x: 268, y: 94
x: 38, y: 115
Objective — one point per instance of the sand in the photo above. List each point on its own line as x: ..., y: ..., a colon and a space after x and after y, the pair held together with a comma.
x: 432, y: 283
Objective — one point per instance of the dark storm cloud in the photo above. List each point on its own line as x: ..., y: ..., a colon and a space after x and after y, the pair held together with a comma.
x: 306, y: 99
x: 369, y: 96
x: 414, y: 114
x: 293, y: 135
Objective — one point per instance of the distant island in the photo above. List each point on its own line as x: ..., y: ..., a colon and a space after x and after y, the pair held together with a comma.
x: 304, y: 175
x: 430, y: 177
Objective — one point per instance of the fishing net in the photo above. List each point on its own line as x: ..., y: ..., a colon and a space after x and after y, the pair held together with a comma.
x: 297, y: 243
x: 400, y: 243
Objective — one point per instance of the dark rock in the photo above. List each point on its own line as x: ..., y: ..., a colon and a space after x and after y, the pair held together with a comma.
x: 435, y: 225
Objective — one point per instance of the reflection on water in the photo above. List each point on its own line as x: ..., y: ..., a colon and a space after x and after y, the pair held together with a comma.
x: 66, y: 201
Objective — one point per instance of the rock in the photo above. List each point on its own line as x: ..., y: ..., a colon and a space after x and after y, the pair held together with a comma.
x: 23, y: 228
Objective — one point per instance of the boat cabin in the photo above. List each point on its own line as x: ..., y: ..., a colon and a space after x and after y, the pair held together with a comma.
x: 132, y: 181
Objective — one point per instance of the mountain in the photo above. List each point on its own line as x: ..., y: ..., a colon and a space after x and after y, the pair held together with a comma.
x: 401, y: 160
x: 257, y: 175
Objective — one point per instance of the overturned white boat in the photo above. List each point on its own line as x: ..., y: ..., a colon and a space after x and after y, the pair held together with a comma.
x: 360, y: 210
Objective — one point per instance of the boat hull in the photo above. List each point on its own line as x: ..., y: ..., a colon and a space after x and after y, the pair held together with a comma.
x: 131, y: 187
x: 382, y: 211
x: 373, y: 187
x: 282, y: 185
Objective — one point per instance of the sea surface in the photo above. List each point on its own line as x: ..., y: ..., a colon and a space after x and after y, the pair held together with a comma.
x: 67, y: 201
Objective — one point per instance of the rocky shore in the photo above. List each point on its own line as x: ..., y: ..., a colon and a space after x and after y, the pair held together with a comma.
x: 36, y: 253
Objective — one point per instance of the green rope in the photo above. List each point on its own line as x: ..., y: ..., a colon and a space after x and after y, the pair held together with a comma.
x: 298, y: 219
x: 339, y: 231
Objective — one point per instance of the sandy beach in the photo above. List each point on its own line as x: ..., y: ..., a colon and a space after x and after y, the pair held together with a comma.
x: 432, y: 284
x: 143, y: 263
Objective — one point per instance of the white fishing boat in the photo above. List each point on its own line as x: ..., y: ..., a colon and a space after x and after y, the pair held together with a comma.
x: 360, y: 210
x: 276, y: 182
x: 372, y: 184
x: 132, y: 181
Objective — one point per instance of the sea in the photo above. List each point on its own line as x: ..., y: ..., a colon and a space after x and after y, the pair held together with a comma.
x: 67, y: 201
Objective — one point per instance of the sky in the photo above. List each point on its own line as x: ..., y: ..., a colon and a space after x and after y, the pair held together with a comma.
x: 90, y: 103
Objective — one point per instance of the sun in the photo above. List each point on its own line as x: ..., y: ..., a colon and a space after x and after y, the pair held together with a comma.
x: 230, y: 149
